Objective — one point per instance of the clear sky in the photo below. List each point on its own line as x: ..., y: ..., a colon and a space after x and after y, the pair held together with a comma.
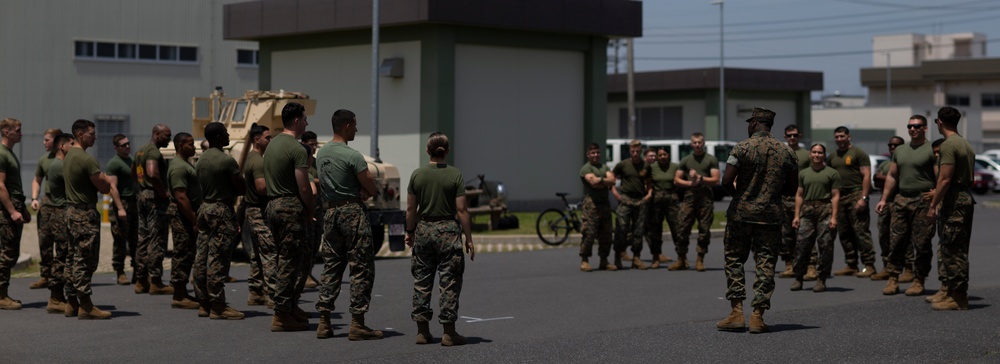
x: 829, y: 36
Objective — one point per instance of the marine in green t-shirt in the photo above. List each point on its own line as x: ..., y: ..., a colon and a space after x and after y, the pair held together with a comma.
x: 633, y: 176
x: 701, y: 164
x: 600, y: 170
x: 663, y: 176
x: 436, y: 186
x: 55, y: 183
x: 41, y: 171
x: 849, y: 162
x: 182, y: 175
x: 915, y: 166
x: 11, y: 165
x: 148, y: 152
x: 215, y: 174
x: 284, y: 155
x: 78, y: 167
x: 958, y: 152
x: 121, y: 168
x: 253, y: 168
x: 818, y: 185
x: 339, y: 167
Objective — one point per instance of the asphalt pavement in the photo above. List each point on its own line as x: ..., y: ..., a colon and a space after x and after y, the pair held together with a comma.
x: 536, y: 306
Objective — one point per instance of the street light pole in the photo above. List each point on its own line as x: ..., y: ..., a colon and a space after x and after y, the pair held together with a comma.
x: 722, y: 70
x: 375, y: 75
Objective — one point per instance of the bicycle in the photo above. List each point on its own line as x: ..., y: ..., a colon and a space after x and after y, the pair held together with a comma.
x: 554, y: 225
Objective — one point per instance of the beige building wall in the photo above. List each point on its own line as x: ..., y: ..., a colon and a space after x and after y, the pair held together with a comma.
x: 517, y: 113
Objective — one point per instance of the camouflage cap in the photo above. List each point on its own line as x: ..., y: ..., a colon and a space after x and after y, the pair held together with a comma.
x: 763, y: 116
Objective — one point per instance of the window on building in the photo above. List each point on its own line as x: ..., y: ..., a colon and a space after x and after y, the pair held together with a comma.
x: 991, y: 100
x: 92, y: 50
x: 107, y: 126
x: 654, y: 122
x: 956, y: 100
x: 963, y: 48
x: 247, y: 57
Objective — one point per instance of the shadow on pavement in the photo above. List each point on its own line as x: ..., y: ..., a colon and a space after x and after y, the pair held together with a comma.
x: 116, y: 314
x: 838, y: 289
x: 41, y: 305
x: 249, y: 314
x: 789, y: 327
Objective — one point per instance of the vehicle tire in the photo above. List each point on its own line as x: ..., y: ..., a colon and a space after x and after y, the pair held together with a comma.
x: 981, y: 190
x: 553, y: 227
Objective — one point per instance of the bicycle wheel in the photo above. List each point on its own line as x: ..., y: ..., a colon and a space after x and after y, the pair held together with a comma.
x: 553, y: 227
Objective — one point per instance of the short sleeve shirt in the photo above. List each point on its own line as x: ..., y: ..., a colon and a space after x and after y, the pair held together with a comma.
x: 703, y: 164
x: 182, y: 174
x: 803, y: 158
x: 764, y: 165
x: 436, y: 186
x: 215, y: 173
x: 78, y: 167
x: 849, y: 163
x: 253, y: 168
x: 958, y: 152
x: 12, y: 167
x: 122, y: 169
x: 146, y: 153
x: 915, y: 166
x: 818, y: 185
x: 339, y: 166
x: 55, y: 183
x: 42, y: 170
x: 663, y: 176
x: 633, y: 177
x: 284, y: 155
x: 598, y: 195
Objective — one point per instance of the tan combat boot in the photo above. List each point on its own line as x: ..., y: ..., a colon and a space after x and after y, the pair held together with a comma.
x: 680, y: 264
x: 7, y: 303
x: 141, y: 286
x: 300, y: 314
x: 811, y: 273
x: 789, y: 272
x: 662, y: 258
x: 604, y: 265
x: 757, y: 325
x: 655, y: 264
x: 203, y: 308
x: 122, y: 278
x: 955, y: 300
x: 735, y: 320
x: 72, y: 307
x: 867, y: 272
x: 359, y: 331
x: 88, y: 311
x: 57, y: 302
x: 585, y: 266
x: 916, y: 289
x: 820, y: 286
x: 797, y: 285
x: 451, y: 337
x: 156, y: 287
x: 324, y: 330
x: 222, y: 311
x: 285, y: 321
x: 699, y: 264
x: 40, y: 283
x: 638, y: 264
x: 849, y: 270
x: 892, y: 287
x: 424, y: 333
x: 254, y: 299
x: 938, y: 296
x: 624, y: 256
x: 182, y: 301
x: 883, y: 275
x: 311, y: 282
x: 907, y: 275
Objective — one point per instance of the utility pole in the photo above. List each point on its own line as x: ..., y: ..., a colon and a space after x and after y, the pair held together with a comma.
x: 888, y: 79
x: 375, y: 45
x: 631, y: 88
x: 722, y: 70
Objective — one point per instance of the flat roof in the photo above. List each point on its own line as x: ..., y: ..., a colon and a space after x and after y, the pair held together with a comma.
x: 254, y: 20
x: 930, y: 72
x: 708, y: 78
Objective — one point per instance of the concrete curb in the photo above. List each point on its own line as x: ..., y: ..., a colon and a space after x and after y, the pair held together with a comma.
x: 573, y: 238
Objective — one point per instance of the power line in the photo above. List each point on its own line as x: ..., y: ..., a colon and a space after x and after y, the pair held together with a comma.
x: 784, y: 56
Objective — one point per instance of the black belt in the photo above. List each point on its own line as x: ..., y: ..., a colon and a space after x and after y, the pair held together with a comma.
x: 82, y: 206
x: 816, y: 202
x: 911, y: 194
x: 262, y: 205
x: 283, y: 195
x: 340, y: 203
x: 436, y: 218
x: 845, y: 191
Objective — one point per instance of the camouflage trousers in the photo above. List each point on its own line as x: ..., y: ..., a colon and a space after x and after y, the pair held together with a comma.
x: 698, y: 203
x: 125, y: 233
x: 957, y: 209
x: 884, y: 227
x: 664, y: 206
x: 596, y: 226
x: 314, y: 232
x: 185, y: 237
x: 152, y: 246
x: 740, y: 239
x: 286, y: 220
x: 814, y: 231
x: 46, y: 238
x: 854, y: 228
x: 84, y: 249
x: 60, y: 250
x: 261, y: 280
x: 438, y: 249
x: 789, y: 236
x: 10, y: 243
x: 911, y: 230
x: 630, y: 230
x: 347, y: 242
x: 216, y: 232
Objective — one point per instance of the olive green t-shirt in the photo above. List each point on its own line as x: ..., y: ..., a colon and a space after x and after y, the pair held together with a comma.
x: 42, y: 170
x: 633, y: 177
x: 818, y: 185
x: 598, y: 195
x: 122, y: 169
x: 915, y: 166
x: 55, y: 183
x: 663, y: 177
x: 215, y: 175
x: 436, y: 186
x: 12, y: 167
x: 284, y: 154
x: 78, y: 166
x: 148, y: 152
x: 848, y: 163
x: 703, y: 164
x: 253, y: 168
x: 884, y: 166
x: 803, y: 158
x: 182, y: 174
x: 958, y: 152
x: 339, y: 166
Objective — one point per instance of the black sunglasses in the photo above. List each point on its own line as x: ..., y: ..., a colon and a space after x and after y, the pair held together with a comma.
x: 914, y: 126
x: 893, y: 145
x: 125, y: 144
x: 791, y: 135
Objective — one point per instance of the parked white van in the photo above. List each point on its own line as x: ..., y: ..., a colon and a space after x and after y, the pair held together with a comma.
x: 617, y: 149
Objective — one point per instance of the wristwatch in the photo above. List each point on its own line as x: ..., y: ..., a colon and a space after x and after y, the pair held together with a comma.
x: 865, y: 198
